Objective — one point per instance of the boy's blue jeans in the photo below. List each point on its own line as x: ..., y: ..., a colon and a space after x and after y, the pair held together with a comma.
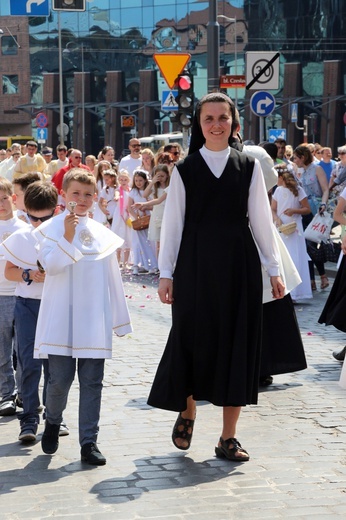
x: 26, y: 313
x: 90, y: 374
x: 8, y: 387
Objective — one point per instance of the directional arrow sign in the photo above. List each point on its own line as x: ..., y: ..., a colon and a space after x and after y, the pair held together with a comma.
x: 29, y: 7
x: 262, y: 103
x: 171, y: 65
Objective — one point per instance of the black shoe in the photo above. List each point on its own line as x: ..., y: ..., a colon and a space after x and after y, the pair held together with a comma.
x: 92, y: 455
x: 265, y: 380
x: 50, y: 438
x: 8, y: 406
x: 339, y: 355
x: 28, y: 430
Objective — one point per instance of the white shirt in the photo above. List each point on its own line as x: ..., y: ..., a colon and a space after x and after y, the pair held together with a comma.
x: 259, y: 214
x: 130, y: 164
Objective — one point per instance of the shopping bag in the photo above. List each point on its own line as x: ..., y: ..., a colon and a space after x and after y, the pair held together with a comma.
x: 319, y: 228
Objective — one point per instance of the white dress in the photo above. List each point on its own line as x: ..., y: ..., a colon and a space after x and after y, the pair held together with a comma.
x: 142, y: 249
x: 83, y: 297
x: 154, y: 230
x: 295, y: 242
x: 119, y: 225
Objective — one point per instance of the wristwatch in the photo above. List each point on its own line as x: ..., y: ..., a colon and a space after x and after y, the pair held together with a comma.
x: 26, y: 276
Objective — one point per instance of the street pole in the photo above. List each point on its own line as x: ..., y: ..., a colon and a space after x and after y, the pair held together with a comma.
x: 233, y: 20
x: 83, y: 105
x: 213, y: 49
x: 61, y: 94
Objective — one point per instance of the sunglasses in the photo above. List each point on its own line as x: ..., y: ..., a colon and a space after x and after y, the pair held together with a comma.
x: 176, y: 153
x: 42, y: 219
x: 341, y: 153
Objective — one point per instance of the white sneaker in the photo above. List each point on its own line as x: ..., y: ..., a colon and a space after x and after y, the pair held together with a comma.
x: 154, y: 271
x: 135, y: 270
x: 63, y: 430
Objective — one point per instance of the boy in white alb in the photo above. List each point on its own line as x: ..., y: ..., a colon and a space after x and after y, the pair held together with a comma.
x: 83, y: 301
x: 40, y: 202
x: 8, y: 225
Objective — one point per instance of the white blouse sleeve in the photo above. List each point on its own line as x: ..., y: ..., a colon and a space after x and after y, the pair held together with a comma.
x: 260, y: 219
x: 172, y: 225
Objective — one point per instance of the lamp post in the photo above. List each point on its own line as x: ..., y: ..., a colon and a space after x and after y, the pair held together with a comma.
x: 61, y: 94
x: 233, y: 20
x: 213, y: 51
x: 66, y: 52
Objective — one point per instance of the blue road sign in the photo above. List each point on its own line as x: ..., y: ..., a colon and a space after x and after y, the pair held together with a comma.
x: 169, y: 100
x: 277, y: 133
x: 42, y: 134
x: 29, y: 7
x: 262, y: 103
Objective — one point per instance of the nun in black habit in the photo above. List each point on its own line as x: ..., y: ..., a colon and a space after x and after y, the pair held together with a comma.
x: 213, y: 350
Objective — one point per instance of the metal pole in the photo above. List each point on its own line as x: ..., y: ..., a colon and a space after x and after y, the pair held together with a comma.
x: 83, y: 106
x: 213, y: 49
x: 61, y: 93
x: 233, y: 20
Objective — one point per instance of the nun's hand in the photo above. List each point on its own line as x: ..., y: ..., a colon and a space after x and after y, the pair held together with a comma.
x: 165, y: 290
x: 278, y: 287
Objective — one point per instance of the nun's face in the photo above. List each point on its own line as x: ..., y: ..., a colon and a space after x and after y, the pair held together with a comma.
x: 216, y: 124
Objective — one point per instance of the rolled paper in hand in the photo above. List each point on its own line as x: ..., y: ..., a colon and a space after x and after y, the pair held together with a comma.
x: 71, y: 206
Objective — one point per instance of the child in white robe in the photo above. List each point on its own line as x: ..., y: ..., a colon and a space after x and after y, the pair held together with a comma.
x: 79, y: 256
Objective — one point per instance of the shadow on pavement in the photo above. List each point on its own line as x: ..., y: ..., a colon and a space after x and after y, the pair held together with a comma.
x: 155, y: 473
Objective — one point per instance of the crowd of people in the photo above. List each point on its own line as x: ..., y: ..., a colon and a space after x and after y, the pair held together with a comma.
x: 93, y: 236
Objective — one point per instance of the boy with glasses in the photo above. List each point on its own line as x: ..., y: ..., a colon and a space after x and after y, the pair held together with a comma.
x: 22, y: 267
x: 9, y: 224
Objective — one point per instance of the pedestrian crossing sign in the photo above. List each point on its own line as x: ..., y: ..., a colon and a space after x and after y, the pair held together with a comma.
x: 169, y: 100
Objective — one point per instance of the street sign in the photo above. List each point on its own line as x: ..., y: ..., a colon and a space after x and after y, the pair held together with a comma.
x: 65, y: 130
x: 171, y: 65
x: 128, y: 121
x: 41, y: 120
x: 232, y: 81
x: 294, y: 112
x: 29, y: 7
x: 277, y: 133
x: 262, y: 103
x: 256, y: 62
x: 168, y: 101
x: 42, y: 135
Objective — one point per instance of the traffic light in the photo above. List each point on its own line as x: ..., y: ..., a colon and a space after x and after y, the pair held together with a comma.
x: 185, y: 99
x: 68, y: 5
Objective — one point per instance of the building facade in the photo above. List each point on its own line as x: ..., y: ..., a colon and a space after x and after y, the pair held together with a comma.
x: 108, y: 68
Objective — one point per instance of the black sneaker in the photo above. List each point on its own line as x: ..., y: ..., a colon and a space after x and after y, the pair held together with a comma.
x: 50, y: 438
x: 339, y: 355
x: 28, y: 430
x: 92, y: 455
x: 8, y: 406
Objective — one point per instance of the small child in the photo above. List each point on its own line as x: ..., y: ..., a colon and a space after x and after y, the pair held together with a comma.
x: 20, y: 185
x: 79, y: 257
x: 121, y: 224
x: 40, y: 201
x: 8, y: 225
x: 107, y: 195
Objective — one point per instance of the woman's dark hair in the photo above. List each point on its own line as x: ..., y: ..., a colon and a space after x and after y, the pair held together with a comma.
x: 303, y: 152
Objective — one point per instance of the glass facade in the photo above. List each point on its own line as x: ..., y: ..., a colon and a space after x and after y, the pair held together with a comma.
x: 122, y: 35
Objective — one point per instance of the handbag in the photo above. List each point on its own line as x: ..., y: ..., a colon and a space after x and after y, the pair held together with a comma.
x: 141, y: 222
x: 319, y: 228
x: 288, y: 229
x: 324, y: 252
x: 331, y: 251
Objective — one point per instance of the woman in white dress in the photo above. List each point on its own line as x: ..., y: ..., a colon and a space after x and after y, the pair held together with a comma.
x: 143, y: 252
x: 289, y: 203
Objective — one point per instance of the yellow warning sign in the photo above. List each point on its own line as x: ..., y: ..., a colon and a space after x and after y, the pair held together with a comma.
x: 171, y: 65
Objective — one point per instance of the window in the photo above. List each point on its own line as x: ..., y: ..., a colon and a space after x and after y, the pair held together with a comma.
x: 10, y: 84
x: 9, y: 46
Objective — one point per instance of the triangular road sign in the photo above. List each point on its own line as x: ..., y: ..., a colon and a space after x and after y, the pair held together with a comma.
x: 171, y: 65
